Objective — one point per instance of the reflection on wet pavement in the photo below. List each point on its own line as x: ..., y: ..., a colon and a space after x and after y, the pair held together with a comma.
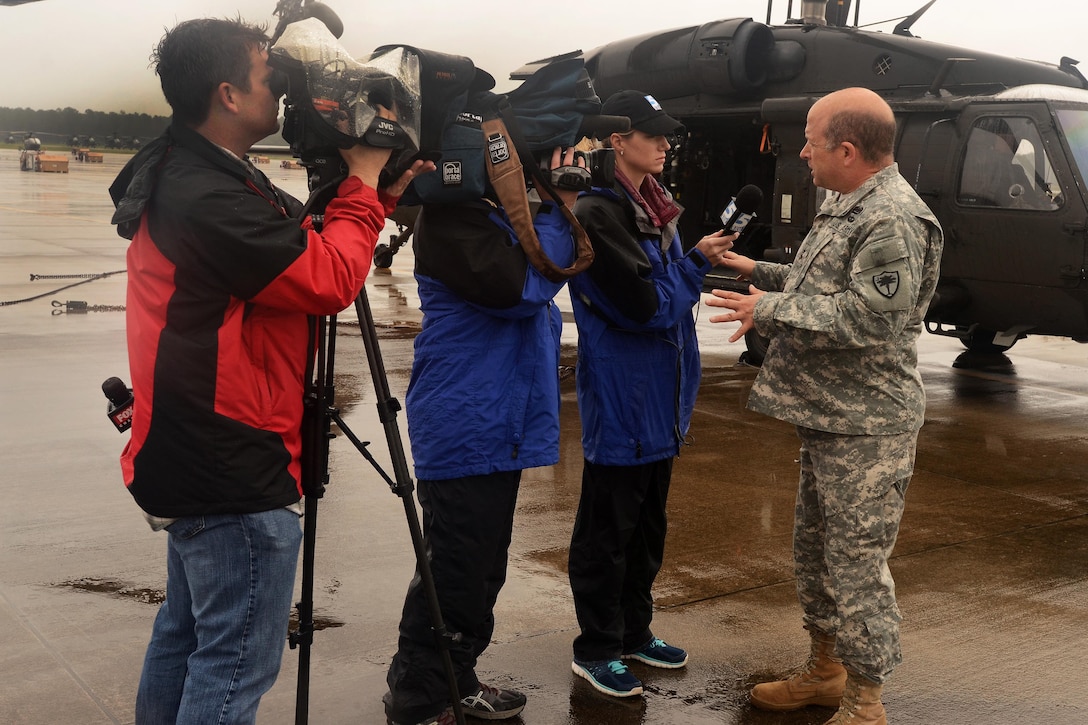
x: 991, y: 565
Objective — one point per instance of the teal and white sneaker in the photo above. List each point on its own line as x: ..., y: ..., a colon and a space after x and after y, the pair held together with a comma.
x: 608, y: 676
x: 657, y: 653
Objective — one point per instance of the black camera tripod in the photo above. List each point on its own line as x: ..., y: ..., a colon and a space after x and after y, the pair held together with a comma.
x: 316, y: 434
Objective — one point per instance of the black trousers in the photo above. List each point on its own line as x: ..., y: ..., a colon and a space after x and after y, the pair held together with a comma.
x: 615, y: 553
x: 467, y: 524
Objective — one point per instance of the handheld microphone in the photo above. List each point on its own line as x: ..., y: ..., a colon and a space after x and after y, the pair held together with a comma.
x: 741, y: 209
x: 119, y: 410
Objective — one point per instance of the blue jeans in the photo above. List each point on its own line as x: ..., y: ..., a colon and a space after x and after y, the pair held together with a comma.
x: 218, y: 638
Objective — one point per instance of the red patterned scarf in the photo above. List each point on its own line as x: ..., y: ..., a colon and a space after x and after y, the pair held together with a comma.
x: 652, y: 198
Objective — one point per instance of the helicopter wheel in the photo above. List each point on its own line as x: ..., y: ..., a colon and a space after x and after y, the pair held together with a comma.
x: 383, y: 256
x: 982, y: 341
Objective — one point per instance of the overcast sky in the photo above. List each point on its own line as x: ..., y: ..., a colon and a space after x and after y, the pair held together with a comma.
x: 94, y: 54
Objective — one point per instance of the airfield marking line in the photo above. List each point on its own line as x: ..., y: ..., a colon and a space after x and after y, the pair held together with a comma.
x: 59, y: 658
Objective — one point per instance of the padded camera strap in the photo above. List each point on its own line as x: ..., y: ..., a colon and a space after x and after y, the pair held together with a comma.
x: 505, y: 147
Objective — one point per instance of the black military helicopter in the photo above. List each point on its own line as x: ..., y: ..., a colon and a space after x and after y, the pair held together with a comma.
x: 998, y: 147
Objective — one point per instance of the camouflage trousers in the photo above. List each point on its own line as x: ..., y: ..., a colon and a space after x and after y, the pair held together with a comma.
x: 849, y: 504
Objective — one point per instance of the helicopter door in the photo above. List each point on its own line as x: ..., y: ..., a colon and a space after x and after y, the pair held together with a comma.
x: 1016, y: 217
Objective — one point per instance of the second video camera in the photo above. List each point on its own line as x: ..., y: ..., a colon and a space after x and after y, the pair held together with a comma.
x: 597, y: 168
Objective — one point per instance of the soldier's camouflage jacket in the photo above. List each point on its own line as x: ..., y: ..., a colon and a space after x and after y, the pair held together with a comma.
x: 843, y: 319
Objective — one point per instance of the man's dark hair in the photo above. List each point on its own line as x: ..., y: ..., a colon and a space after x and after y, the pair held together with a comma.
x: 197, y: 55
x: 872, y: 135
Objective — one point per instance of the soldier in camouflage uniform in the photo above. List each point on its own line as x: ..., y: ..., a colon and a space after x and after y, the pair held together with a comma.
x: 843, y: 321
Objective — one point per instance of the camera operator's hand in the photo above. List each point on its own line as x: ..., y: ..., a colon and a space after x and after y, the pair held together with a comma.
x: 561, y: 157
x: 419, y: 166
x: 367, y: 162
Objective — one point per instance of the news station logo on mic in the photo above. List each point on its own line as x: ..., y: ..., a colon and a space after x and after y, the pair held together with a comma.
x: 119, y: 408
x: 741, y: 209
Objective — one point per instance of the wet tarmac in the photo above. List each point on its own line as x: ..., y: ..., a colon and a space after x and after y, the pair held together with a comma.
x: 991, y: 565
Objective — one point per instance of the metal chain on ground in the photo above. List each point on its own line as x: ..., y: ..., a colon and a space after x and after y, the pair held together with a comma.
x: 84, y: 279
x: 95, y: 275
x: 80, y: 307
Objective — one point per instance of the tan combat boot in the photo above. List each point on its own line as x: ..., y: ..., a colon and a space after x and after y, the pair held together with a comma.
x: 860, y: 703
x: 819, y: 682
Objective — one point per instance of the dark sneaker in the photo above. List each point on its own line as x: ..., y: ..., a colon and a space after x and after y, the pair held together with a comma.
x: 491, y: 703
x: 608, y: 676
x: 658, y: 654
x: 443, y: 718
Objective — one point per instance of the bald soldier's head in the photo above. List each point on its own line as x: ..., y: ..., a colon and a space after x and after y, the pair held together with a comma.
x: 850, y: 136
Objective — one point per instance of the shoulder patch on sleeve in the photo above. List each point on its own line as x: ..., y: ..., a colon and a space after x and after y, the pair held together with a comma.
x: 881, y: 253
x: 887, y: 282
x: 882, y: 273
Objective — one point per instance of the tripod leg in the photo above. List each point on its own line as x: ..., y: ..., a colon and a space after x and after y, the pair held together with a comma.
x: 387, y: 413
x: 303, y: 637
x: 316, y: 432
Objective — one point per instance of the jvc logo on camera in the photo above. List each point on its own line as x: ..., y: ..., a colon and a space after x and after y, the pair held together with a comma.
x: 384, y: 128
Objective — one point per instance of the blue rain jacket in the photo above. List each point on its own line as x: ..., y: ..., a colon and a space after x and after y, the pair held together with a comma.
x: 638, y: 358
x: 484, y: 391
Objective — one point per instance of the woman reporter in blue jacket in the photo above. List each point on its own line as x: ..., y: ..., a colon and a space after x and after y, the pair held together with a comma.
x: 637, y: 377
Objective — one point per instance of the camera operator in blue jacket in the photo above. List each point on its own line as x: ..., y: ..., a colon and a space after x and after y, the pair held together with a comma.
x: 482, y: 404
x: 637, y: 377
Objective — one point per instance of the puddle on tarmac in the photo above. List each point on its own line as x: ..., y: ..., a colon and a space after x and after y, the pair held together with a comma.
x: 117, y: 589
x: 147, y: 595
x: 320, y: 622
x: 386, y: 330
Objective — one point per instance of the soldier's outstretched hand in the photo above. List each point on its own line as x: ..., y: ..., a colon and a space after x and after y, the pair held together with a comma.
x: 741, y: 308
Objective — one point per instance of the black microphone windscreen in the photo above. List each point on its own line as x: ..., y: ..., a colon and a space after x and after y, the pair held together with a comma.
x: 115, y: 391
x: 601, y: 126
x: 749, y: 198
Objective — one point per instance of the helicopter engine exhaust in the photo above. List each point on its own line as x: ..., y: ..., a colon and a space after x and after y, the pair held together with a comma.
x: 723, y: 57
x: 814, y: 12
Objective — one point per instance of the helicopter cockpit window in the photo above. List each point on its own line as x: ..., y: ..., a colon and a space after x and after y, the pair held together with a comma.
x: 1074, y: 123
x: 1007, y: 167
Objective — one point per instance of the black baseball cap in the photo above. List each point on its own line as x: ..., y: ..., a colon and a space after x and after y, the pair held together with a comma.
x: 644, y: 111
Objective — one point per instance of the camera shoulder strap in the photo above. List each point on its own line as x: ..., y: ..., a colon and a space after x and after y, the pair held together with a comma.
x: 504, y: 169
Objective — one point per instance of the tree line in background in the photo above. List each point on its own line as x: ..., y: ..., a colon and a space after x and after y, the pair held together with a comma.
x: 67, y: 125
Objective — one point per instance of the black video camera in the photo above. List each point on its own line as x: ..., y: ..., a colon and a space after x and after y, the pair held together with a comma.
x: 598, y: 168
x: 331, y: 100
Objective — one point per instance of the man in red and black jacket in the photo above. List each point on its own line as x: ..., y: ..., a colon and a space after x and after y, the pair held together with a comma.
x: 222, y: 277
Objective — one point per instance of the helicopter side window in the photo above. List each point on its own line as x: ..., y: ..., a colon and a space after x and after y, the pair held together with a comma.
x: 1074, y: 122
x: 1007, y: 167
